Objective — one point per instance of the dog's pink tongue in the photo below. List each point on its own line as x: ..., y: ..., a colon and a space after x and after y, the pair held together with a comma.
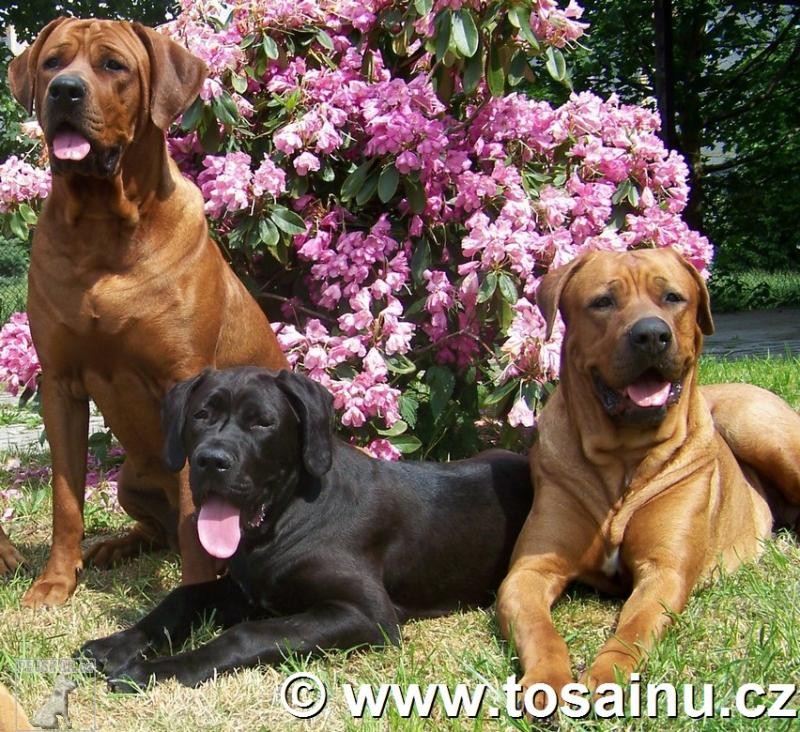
x: 70, y: 145
x: 218, y: 527
x: 648, y: 392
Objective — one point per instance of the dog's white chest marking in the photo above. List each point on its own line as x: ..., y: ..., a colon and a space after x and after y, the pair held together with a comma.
x: 611, y: 563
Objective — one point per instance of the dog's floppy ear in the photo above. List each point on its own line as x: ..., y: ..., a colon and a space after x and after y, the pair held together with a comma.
x: 22, y: 69
x: 548, y: 294
x: 704, y: 319
x: 176, y: 76
x: 314, y: 406
x: 173, y: 420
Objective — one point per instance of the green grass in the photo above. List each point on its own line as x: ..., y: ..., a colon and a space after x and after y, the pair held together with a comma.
x: 741, y: 628
x: 780, y: 375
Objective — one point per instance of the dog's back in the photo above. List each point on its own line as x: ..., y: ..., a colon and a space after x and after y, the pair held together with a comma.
x: 445, y: 531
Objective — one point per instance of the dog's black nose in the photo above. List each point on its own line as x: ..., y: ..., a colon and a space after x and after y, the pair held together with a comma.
x: 212, y: 458
x: 67, y: 90
x: 650, y: 335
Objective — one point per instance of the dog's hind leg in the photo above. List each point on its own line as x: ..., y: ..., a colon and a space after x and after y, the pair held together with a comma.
x: 144, y: 498
x: 762, y: 430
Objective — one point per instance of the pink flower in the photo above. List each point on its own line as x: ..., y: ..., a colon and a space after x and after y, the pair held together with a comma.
x: 19, y: 364
x: 268, y: 178
x: 305, y: 162
x: 521, y: 414
x: 225, y: 183
x: 21, y: 182
x: 383, y: 450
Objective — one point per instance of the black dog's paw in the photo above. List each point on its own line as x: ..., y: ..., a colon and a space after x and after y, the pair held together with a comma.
x: 113, y: 652
x: 133, y: 678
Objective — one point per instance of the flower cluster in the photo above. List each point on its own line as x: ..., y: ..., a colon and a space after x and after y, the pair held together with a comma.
x: 402, y: 194
x: 19, y: 364
x: 21, y: 182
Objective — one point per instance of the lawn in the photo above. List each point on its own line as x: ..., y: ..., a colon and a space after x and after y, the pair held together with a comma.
x: 743, y: 628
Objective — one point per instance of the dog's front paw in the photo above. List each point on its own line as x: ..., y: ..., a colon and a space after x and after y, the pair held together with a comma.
x: 132, y: 678
x: 114, y: 651
x: 610, y: 667
x: 542, y: 691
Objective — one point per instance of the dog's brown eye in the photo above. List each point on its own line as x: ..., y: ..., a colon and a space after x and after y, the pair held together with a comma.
x: 114, y: 65
x: 602, y: 302
x: 51, y: 63
x: 674, y: 297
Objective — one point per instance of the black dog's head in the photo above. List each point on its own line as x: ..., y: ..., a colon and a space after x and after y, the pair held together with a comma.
x: 249, y: 434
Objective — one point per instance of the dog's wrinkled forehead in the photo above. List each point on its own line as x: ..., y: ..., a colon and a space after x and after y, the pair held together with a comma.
x: 630, y: 275
x: 92, y: 39
x: 244, y: 388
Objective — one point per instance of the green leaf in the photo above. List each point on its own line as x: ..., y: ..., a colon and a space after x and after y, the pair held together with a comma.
x: 191, y: 117
x: 406, y: 444
x: 18, y: 227
x: 488, y: 287
x: 420, y: 260
x: 397, y: 363
x: 324, y: 40
x: 408, y: 406
x: 28, y: 214
x: 353, y: 183
x: 268, y: 233
x: 517, y: 68
x: 442, y: 383
x: 443, y: 32
x: 423, y: 7
x: 522, y: 16
x: 496, y: 75
x: 507, y: 288
x: 633, y: 195
x: 398, y: 428
x: 501, y: 393
x: 225, y: 109
x: 367, y: 190
x: 270, y: 48
x: 556, y: 65
x: 465, y: 34
x: 415, y: 194
x: 387, y: 183
x: 473, y: 70
x: 287, y: 221
x: 239, y: 83
x: 623, y: 189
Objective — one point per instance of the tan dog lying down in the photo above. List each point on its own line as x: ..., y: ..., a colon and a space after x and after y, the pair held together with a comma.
x: 644, y: 483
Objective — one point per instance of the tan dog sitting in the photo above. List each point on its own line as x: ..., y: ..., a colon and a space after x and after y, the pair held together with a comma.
x: 127, y: 295
x: 637, y: 492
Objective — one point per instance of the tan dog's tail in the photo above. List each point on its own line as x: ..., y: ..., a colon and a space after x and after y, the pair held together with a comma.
x: 12, y: 716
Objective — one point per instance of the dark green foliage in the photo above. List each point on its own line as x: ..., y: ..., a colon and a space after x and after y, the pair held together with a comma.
x: 736, y: 88
x: 754, y: 290
x: 29, y: 16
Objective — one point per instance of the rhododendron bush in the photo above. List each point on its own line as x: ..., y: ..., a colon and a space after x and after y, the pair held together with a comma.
x: 388, y: 179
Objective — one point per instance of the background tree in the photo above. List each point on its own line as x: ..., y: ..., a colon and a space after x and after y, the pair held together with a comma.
x: 28, y: 16
x: 729, y: 71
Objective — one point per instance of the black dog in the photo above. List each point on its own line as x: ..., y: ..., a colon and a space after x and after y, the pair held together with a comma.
x: 329, y: 547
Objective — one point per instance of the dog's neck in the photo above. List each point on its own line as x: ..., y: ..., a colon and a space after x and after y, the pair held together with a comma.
x: 126, y: 196
x: 604, y: 439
